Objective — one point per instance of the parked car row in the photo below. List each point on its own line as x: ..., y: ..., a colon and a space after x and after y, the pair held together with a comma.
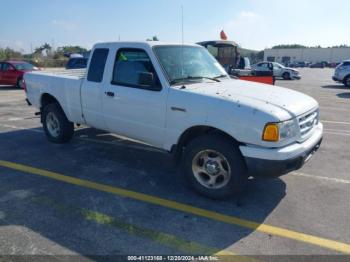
x: 321, y: 64
x: 342, y: 73
x: 11, y: 72
x: 279, y: 70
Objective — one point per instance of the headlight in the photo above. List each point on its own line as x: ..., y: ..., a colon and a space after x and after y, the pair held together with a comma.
x: 274, y: 132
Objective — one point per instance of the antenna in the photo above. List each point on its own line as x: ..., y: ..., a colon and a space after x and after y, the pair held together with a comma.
x: 182, y: 40
x: 182, y: 24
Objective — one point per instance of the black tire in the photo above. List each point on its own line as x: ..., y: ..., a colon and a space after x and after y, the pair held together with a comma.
x: 347, y: 81
x: 18, y: 84
x: 227, y: 148
x: 66, y: 128
x: 286, y: 76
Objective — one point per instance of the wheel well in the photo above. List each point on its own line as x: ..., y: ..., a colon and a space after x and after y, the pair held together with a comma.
x: 47, y: 99
x: 194, y: 132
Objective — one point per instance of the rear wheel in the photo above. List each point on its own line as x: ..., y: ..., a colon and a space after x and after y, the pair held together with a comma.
x: 58, y: 128
x: 214, y: 166
x: 286, y: 76
x: 347, y: 81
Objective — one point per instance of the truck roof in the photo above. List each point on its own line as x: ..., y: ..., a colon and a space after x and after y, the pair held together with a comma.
x: 142, y: 43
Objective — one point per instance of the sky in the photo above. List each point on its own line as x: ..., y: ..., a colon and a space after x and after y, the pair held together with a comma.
x: 254, y: 24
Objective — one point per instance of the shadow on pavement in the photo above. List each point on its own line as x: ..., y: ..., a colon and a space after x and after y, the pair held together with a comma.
x: 344, y: 95
x: 89, y: 222
x: 8, y: 88
x: 339, y: 86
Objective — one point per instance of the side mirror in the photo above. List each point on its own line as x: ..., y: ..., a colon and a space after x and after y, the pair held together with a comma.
x: 146, y: 79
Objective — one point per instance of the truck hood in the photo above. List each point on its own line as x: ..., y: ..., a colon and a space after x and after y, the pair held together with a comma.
x: 246, y: 92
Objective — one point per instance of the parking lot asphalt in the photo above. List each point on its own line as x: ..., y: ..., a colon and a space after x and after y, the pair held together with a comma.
x: 104, y: 195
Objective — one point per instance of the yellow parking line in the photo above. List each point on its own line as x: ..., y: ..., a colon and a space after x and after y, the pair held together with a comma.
x: 183, y: 245
x: 273, y: 230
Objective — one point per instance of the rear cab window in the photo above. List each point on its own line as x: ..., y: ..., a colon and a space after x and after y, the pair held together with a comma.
x: 97, y: 65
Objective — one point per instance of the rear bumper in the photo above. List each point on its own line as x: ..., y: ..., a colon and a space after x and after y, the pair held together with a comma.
x: 278, y: 161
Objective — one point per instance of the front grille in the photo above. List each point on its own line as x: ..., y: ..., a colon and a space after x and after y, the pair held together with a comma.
x: 307, y: 123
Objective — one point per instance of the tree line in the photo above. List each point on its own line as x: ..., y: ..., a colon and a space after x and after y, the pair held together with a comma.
x: 44, y: 55
x: 303, y: 46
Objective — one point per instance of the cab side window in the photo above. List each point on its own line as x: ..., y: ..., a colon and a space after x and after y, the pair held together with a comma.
x: 5, y: 67
x: 133, y: 68
x: 97, y: 65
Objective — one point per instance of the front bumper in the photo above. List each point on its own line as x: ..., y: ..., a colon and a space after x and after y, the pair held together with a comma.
x: 297, y: 77
x: 336, y: 79
x: 278, y: 161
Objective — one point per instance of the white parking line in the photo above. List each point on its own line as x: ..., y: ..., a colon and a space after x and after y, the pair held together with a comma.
x: 337, y: 133
x: 335, y: 122
x: 337, y: 130
x: 22, y: 128
x: 331, y: 179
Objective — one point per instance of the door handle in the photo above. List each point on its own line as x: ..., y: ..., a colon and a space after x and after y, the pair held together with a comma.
x: 109, y: 93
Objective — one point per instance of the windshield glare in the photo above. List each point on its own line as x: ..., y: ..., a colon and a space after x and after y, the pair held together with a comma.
x: 278, y: 65
x: 24, y: 66
x: 181, y: 62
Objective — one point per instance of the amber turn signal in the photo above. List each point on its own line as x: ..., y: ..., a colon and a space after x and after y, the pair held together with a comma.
x: 271, y: 132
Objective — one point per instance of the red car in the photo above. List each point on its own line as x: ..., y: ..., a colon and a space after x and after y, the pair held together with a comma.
x: 11, y: 72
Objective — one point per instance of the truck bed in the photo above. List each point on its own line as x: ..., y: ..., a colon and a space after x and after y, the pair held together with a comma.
x: 71, y: 73
x: 63, y: 84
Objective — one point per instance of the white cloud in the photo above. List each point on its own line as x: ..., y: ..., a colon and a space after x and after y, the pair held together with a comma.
x: 65, y: 25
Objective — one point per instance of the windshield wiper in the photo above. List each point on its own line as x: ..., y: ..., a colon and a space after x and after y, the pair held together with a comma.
x: 193, y: 78
x: 220, y: 76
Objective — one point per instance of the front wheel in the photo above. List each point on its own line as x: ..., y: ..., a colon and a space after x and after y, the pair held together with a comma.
x: 286, y: 76
x: 19, y: 83
x: 347, y: 81
x: 57, y: 127
x: 214, y: 166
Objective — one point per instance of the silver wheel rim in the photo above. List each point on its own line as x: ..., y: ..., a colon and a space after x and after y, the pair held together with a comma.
x: 211, y: 169
x: 348, y: 81
x: 52, y: 124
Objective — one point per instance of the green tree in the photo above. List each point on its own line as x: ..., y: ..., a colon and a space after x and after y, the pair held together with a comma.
x: 288, y: 46
x: 8, y: 53
x: 72, y: 49
x: 154, y: 38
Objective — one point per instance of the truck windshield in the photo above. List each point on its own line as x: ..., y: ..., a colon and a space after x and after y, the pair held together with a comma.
x: 188, y: 63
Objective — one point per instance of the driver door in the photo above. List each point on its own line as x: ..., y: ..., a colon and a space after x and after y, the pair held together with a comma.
x: 277, y: 70
x: 131, y: 108
x: 9, y: 76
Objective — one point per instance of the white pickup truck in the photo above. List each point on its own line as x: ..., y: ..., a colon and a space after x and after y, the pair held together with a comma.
x: 178, y: 98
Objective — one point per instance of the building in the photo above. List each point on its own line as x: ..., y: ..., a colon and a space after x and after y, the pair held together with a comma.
x: 313, y: 55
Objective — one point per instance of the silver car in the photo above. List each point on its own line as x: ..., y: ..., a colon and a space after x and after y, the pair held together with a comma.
x: 278, y: 70
x: 342, y: 73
